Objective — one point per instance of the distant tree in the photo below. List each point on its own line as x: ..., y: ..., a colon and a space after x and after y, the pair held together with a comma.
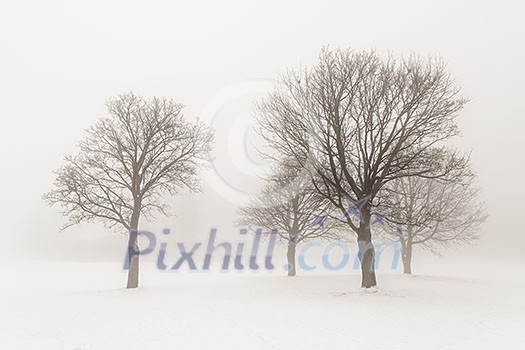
x: 357, y: 122
x: 431, y: 213
x: 290, y: 205
x: 129, y: 161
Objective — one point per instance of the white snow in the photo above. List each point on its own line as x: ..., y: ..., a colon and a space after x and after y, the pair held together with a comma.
x: 83, y: 306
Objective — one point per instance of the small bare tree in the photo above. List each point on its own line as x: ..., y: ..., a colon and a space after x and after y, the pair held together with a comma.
x: 432, y: 213
x: 290, y: 205
x: 357, y: 122
x: 142, y: 151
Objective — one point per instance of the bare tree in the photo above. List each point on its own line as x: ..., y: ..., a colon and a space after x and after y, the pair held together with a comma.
x: 142, y: 151
x: 290, y: 205
x: 433, y: 213
x: 357, y: 122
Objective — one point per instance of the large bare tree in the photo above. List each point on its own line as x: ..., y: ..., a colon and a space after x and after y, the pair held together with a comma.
x: 358, y: 121
x: 291, y: 206
x: 432, y: 213
x: 142, y: 151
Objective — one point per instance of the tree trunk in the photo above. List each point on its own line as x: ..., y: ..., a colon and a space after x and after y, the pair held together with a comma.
x: 366, y: 251
x: 407, y: 258
x: 290, y: 255
x: 133, y: 253
x: 367, y: 259
x: 406, y: 250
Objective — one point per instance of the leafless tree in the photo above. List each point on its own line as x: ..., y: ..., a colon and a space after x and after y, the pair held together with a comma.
x: 432, y: 213
x: 143, y: 150
x: 358, y: 121
x: 291, y: 206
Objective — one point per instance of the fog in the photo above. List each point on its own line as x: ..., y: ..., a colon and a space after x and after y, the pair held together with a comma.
x: 60, y: 61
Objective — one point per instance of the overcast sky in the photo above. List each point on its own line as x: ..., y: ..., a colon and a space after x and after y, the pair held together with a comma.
x: 60, y: 60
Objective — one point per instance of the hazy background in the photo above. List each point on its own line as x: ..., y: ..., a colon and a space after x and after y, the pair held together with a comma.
x: 60, y: 60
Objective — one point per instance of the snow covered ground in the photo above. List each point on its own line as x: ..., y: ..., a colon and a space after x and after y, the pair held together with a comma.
x: 82, y: 306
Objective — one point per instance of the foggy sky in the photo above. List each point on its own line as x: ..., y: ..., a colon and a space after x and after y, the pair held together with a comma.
x: 60, y: 60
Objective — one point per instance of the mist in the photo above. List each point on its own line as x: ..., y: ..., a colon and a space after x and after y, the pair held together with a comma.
x: 60, y: 61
